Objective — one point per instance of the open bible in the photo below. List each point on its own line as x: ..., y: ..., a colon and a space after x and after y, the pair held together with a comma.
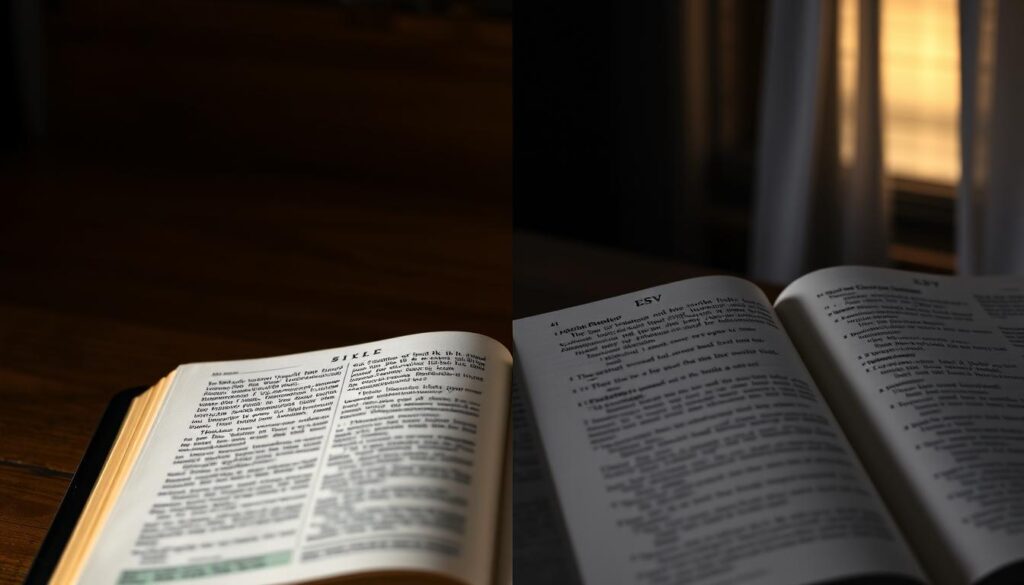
x: 384, y: 462
x: 868, y: 427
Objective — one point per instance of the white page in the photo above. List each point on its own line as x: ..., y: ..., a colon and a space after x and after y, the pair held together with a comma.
x: 503, y: 544
x: 541, y: 554
x: 927, y: 374
x: 688, y: 444
x: 382, y: 456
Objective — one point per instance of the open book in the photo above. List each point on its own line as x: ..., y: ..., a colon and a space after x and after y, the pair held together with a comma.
x: 868, y: 425
x: 383, y: 462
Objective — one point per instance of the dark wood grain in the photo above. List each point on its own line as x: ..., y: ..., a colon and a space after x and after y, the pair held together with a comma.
x: 28, y: 498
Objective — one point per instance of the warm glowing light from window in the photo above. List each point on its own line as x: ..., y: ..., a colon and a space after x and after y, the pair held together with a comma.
x: 920, y: 70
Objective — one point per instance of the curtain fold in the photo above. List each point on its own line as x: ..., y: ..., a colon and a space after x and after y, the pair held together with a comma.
x: 821, y: 196
x: 815, y: 205
x: 990, y: 206
x: 791, y: 98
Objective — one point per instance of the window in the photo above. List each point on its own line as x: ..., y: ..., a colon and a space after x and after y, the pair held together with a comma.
x: 920, y: 86
x: 921, y: 90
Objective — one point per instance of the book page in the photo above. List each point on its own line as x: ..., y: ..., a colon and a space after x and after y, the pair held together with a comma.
x: 926, y: 375
x: 688, y: 444
x: 541, y: 555
x: 108, y: 485
x: 503, y: 544
x: 382, y: 457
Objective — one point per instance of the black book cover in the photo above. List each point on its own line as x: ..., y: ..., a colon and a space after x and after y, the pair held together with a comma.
x: 81, y: 486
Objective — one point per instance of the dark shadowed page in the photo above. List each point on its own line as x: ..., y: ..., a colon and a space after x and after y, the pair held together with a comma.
x: 689, y: 444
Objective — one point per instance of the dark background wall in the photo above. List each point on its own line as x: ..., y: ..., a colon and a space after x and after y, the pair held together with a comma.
x: 369, y: 89
x: 228, y: 113
x: 635, y: 124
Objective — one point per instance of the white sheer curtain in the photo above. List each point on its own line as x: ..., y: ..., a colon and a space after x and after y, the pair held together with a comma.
x: 820, y: 193
x: 990, y: 226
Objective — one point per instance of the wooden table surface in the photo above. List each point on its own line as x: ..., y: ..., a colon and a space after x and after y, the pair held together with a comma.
x: 111, y: 279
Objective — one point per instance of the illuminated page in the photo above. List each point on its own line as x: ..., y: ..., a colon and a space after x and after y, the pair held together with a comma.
x: 383, y: 457
x: 926, y: 373
x: 688, y: 444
